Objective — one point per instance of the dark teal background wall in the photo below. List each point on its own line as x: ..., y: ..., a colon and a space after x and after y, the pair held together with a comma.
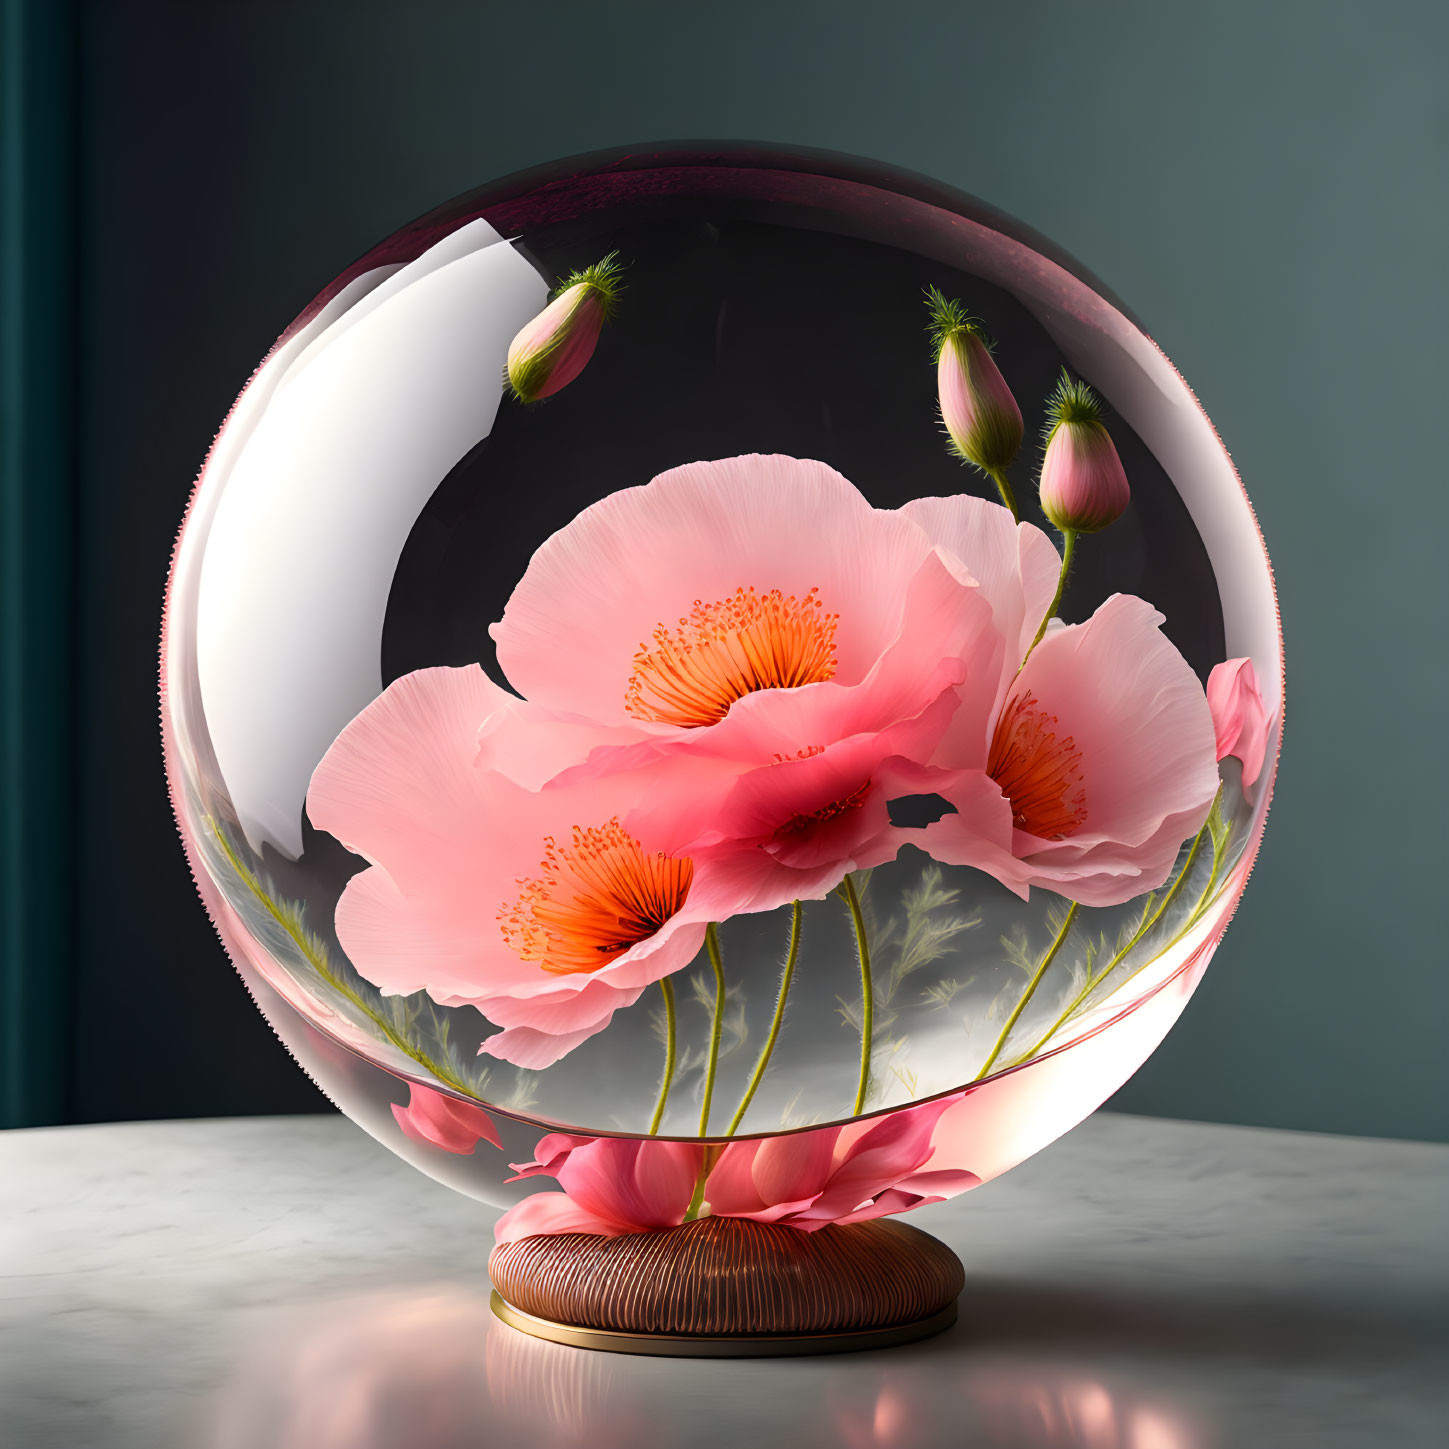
x: 1264, y: 183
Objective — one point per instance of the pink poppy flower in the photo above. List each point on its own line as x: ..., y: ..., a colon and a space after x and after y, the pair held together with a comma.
x: 664, y: 605
x: 786, y: 731
x: 1239, y: 719
x: 804, y: 1180
x: 1099, y: 764
x: 539, y: 907
x: 440, y: 1121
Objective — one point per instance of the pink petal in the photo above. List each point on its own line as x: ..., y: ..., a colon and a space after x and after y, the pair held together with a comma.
x: 529, y: 744
x: 550, y: 1154
x: 527, y: 1047
x: 1136, y: 711
x: 1240, y: 721
x: 431, y: 1117
x: 766, y: 1177
x: 398, y: 783
x: 978, y: 834
x: 646, y: 1183
x: 551, y: 1212
x: 597, y: 590
x: 901, y: 1200
x: 590, y: 1007
x: 1016, y: 565
x: 1107, y: 873
x: 891, y: 1148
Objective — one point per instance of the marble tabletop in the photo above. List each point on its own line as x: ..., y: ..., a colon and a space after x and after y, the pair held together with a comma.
x: 1142, y: 1284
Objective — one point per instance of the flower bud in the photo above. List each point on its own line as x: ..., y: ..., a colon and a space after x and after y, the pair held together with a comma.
x: 1240, y: 721
x: 980, y: 414
x: 1083, y: 487
x: 549, y: 352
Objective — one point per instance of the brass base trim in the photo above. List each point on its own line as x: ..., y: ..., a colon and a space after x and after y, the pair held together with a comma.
x: 754, y: 1345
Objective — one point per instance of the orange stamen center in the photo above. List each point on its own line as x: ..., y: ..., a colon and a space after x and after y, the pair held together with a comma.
x: 720, y: 652
x: 593, y: 900
x: 1038, y: 772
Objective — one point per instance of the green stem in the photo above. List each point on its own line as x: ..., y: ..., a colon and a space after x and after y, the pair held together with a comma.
x: 1003, y: 487
x: 1204, y: 900
x: 1096, y: 980
x: 711, y: 941
x: 1030, y: 991
x: 706, y: 1166
x: 1069, y: 544
x: 667, y: 987
x: 769, y: 1046
x: 867, y: 991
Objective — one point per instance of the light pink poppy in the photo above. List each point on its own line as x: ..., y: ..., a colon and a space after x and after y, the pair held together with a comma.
x: 1099, y: 765
x: 790, y: 785
x: 664, y: 605
x: 539, y: 907
x: 1240, y: 721
x: 440, y: 1121
x: 804, y: 1180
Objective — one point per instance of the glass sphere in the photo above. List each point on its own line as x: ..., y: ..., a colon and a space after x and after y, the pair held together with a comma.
x: 476, y: 921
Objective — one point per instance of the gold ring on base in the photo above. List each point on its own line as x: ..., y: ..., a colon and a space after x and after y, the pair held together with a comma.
x: 754, y: 1345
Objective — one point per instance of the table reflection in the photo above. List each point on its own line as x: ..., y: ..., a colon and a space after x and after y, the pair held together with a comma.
x: 998, y: 1404
x: 410, y: 1370
x: 433, y: 1369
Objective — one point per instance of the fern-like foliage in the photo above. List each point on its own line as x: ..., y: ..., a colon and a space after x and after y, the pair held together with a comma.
x: 411, y: 1024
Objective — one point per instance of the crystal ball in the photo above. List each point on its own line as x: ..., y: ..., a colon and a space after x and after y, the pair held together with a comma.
x: 608, y: 698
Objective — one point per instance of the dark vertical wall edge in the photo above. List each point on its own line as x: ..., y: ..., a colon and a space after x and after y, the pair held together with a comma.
x: 37, y: 415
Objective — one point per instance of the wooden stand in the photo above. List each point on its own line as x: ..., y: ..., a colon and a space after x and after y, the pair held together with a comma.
x: 728, y: 1287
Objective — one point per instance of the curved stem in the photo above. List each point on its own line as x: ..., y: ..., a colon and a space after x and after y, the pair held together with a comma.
x: 1003, y: 487
x: 1030, y: 991
x: 769, y: 1046
x: 1096, y: 980
x: 1069, y: 544
x: 667, y: 987
x: 867, y: 991
x: 706, y: 1166
x: 711, y: 941
x: 315, y: 953
x: 1205, y: 899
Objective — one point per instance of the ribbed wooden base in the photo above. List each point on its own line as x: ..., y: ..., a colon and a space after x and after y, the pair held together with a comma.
x: 727, y: 1286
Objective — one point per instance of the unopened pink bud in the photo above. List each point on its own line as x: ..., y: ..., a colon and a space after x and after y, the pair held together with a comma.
x: 550, y: 352
x: 1083, y: 486
x: 980, y: 414
x: 1240, y: 720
